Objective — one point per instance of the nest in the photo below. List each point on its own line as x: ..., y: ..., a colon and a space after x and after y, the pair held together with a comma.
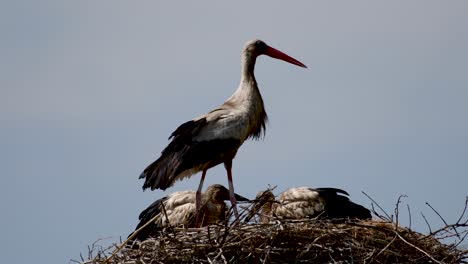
x: 307, y: 241
x: 293, y: 241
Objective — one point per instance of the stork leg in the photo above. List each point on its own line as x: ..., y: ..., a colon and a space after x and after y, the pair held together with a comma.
x: 228, y: 166
x: 198, y: 199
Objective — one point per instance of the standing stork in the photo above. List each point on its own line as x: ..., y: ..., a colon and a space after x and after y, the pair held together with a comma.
x: 215, y: 137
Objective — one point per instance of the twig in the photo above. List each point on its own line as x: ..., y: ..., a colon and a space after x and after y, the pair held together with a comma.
x: 427, y: 223
x: 443, y: 220
x: 370, y: 198
x: 461, y: 240
x: 383, y: 249
x: 163, y: 206
x: 409, y: 215
x: 397, y: 209
x: 464, y: 210
x: 417, y: 248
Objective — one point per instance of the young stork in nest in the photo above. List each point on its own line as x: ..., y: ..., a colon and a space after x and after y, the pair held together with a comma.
x: 178, y: 209
x: 304, y: 202
x: 215, y: 137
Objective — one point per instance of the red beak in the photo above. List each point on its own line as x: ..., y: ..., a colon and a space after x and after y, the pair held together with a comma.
x: 281, y: 56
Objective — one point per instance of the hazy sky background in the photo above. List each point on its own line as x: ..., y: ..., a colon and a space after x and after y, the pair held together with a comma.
x: 90, y: 91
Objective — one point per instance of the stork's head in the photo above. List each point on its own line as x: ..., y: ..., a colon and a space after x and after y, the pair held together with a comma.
x: 219, y: 193
x: 256, y: 47
x: 265, y: 196
x: 263, y: 206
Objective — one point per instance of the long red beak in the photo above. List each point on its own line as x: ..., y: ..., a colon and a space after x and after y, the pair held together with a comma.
x: 281, y: 56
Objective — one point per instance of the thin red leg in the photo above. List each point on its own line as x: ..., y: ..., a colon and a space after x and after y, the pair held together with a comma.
x: 198, y: 199
x: 228, y: 165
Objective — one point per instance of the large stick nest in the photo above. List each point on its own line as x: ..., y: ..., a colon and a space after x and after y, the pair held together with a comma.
x: 293, y: 241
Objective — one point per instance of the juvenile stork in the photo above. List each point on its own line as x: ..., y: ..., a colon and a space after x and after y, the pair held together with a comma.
x: 179, y: 209
x: 215, y: 137
x: 304, y: 202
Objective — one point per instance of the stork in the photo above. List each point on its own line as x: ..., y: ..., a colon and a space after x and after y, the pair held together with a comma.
x: 305, y: 202
x: 179, y: 209
x: 215, y: 137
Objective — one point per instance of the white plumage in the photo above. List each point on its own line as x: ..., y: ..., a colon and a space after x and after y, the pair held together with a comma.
x: 297, y: 203
x: 305, y: 202
x: 179, y: 208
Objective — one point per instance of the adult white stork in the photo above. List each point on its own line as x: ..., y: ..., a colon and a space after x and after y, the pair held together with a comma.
x: 179, y: 209
x: 305, y: 202
x: 215, y: 137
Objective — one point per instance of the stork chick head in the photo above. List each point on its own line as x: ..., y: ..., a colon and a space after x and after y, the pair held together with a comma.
x: 219, y: 193
x: 264, y: 206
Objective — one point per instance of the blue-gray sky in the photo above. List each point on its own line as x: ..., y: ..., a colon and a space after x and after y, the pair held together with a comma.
x: 90, y: 91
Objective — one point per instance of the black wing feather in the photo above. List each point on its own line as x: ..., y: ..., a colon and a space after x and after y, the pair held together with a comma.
x: 161, y: 173
x: 340, y: 207
x: 146, y: 215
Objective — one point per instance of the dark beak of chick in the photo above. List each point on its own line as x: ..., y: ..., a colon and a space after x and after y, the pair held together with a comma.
x: 241, y: 198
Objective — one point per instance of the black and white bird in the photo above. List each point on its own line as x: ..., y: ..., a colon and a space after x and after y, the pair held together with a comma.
x: 178, y: 209
x: 305, y: 202
x: 215, y: 137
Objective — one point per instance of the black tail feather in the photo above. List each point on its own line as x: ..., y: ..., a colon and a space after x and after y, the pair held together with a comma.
x: 340, y: 207
x: 162, y: 173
